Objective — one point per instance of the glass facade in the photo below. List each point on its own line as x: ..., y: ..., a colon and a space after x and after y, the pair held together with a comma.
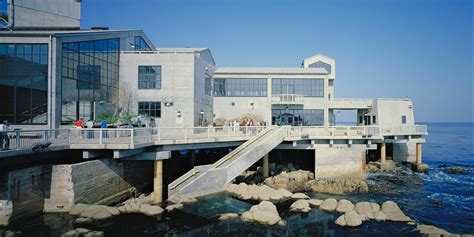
x: 320, y: 64
x: 298, y: 117
x: 149, y: 77
x: 140, y: 44
x: 24, y: 83
x: 152, y: 109
x: 308, y: 87
x: 90, y: 72
x: 240, y: 87
x: 3, y: 12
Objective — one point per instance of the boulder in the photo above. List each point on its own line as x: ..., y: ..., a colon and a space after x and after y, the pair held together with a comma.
x: 339, y: 185
x: 71, y: 233
x: 102, y: 214
x: 344, y: 206
x: 82, y: 220
x: 188, y: 200
x: 77, y: 209
x: 301, y: 205
x: 227, y: 216
x: 315, y: 202
x: 285, y: 193
x: 430, y: 230
x: 393, y: 213
x: 150, y: 210
x: 293, y: 181
x: 379, y: 216
x: 94, y: 234
x: 172, y: 207
x: 264, y: 213
x: 299, y: 196
x: 257, y: 192
x: 82, y: 231
x: 350, y: 218
x: 329, y: 204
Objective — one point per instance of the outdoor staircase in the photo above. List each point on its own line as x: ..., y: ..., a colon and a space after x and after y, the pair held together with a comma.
x: 206, y: 179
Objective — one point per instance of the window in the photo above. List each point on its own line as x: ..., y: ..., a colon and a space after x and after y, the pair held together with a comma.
x: 361, y: 119
x: 298, y: 117
x: 152, y: 109
x: 311, y: 87
x: 140, y: 44
x: 89, y: 73
x: 374, y: 121
x: 320, y: 64
x: 240, y: 87
x: 207, y: 85
x: 3, y: 12
x: 404, y: 119
x: 24, y: 83
x: 149, y: 77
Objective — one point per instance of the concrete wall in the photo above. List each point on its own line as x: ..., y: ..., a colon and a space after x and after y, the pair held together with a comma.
x: 22, y: 193
x: 97, y: 181
x: 340, y: 160
x: 404, y: 152
x: 182, y: 83
x: 46, y: 13
x: 390, y: 111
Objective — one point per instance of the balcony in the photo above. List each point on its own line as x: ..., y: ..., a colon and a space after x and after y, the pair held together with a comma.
x: 285, y: 99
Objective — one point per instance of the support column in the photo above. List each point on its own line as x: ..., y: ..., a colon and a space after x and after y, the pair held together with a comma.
x: 418, y: 153
x: 265, y: 166
x: 383, y: 152
x: 158, y: 182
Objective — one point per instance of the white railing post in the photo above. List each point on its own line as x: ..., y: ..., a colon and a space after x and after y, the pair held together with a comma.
x: 159, y: 134
x: 149, y: 134
x: 131, y: 136
x: 100, y: 136
x: 208, y: 132
x: 17, y: 139
x: 45, y: 136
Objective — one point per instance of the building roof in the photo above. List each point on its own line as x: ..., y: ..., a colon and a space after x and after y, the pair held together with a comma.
x: 271, y: 70
x: 317, y: 56
x: 59, y: 32
x: 202, y: 51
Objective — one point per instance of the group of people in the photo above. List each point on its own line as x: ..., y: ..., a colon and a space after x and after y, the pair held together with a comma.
x: 245, y: 123
x: 89, y: 125
x: 5, y: 139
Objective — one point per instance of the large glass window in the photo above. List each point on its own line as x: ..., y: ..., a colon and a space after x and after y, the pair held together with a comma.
x: 238, y: 87
x: 308, y: 87
x: 152, y: 109
x: 149, y: 77
x: 140, y: 44
x: 24, y: 83
x: 3, y: 13
x: 320, y: 64
x: 90, y: 72
x: 298, y: 117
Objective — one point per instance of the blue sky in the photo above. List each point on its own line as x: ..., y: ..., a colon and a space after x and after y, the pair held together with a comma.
x: 383, y: 48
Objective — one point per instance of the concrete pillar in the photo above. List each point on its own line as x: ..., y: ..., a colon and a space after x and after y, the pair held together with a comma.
x: 158, y: 182
x: 383, y: 152
x: 265, y: 166
x: 418, y: 153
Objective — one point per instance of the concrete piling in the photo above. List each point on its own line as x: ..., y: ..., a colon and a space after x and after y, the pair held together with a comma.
x: 383, y: 152
x: 265, y: 166
x: 158, y: 182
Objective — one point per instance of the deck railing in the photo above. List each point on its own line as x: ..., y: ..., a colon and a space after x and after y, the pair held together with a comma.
x: 287, y: 99
x: 27, y: 139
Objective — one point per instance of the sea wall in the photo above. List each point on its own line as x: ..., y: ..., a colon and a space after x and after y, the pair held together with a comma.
x: 341, y: 160
x: 96, y: 182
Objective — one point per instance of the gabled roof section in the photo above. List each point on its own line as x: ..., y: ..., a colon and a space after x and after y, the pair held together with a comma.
x: 271, y: 70
x: 314, y: 57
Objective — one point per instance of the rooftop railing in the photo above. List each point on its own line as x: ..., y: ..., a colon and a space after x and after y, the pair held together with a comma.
x: 287, y: 99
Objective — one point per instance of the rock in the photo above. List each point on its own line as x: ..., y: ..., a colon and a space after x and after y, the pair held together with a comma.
x: 299, y: 196
x: 344, y: 206
x: 227, y: 216
x: 82, y: 220
x: 292, y: 181
x: 173, y: 207
x: 264, y: 213
x: 101, y: 215
x: 112, y: 210
x: 393, y: 213
x: 77, y: 209
x: 329, y: 204
x: 150, y: 210
x: 420, y: 167
x: 339, y: 185
x: 301, y: 205
x: 379, y: 216
x: 9, y: 233
x: 94, y: 234
x: 250, y: 177
x: 458, y: 171
x: 341, y: 220
x: 257, y: 192
x: 82, y: 231
x: 188, y: 200
x: 352, y: 218
x: 285, y: 193
x: 315, y: 202
x: 432, y: 230
x: 71, y: 233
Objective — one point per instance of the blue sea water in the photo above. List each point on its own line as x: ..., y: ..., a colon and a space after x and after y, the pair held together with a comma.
x: 436, y: 198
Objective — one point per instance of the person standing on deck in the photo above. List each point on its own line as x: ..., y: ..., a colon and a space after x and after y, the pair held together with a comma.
x: 90, y: 132
x: 4, y: 134
x: 103, y: 125
x: 79, y: 125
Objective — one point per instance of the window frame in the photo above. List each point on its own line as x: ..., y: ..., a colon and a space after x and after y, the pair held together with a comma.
x: 157, y: 80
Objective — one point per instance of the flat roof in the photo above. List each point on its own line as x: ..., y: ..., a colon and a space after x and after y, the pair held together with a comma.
x: 60, y: 32
x: 184, y: 50
x: 271, y: 70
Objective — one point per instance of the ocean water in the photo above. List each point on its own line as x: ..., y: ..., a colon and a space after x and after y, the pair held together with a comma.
x: 436, y: 198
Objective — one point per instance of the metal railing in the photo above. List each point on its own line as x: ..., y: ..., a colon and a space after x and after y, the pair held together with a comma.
x: 288, y: 98
x: 27, y: 139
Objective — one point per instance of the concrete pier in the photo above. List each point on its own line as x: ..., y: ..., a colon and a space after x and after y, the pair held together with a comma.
x: 158, y: 182
x: 383, y: 152
x: 265, y: 166
x: 418, y: 153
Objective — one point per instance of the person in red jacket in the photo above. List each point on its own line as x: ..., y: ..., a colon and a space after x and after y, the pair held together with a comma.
x: 79, y: 125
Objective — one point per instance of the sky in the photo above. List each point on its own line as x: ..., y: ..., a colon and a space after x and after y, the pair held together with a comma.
x: 421, y: 49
